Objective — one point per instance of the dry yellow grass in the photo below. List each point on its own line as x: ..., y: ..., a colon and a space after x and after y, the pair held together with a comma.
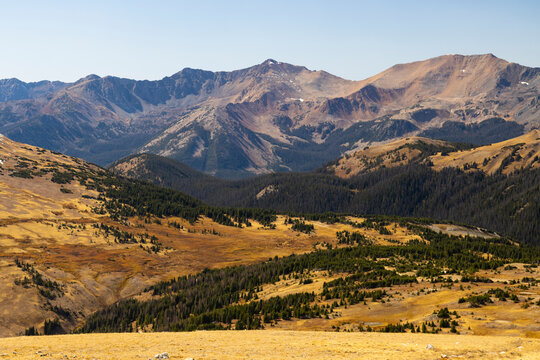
x: 526, y: 146
x: 229, y: 345
x: 489, y: 158
x: 96, y: 271
x: 415, y: 303
x: 54, y: 230
x: 389, y: 154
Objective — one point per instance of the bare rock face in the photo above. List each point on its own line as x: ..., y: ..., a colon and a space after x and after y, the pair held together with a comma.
x: 272, y: 116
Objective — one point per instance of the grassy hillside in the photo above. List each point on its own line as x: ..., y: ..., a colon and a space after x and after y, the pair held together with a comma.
x: 76, y: 237
x: 79, y: 239
x: 522, y: 152
x: 493, y: 186
x: 396, y: 153
x: 356, y: 286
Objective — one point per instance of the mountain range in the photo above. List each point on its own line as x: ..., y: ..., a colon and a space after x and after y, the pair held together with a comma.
x: 272, y: 116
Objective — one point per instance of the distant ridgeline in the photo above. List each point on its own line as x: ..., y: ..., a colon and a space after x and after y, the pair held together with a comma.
x: 506, y: 203
x: 228, y: 298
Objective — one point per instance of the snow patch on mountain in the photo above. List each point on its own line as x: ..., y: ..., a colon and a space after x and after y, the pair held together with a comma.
x: 200, y: 147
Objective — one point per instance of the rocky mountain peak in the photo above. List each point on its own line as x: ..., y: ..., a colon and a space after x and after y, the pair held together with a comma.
x: 274, y: 115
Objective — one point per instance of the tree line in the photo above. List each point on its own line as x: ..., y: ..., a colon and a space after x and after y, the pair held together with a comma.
x: 227, y: 298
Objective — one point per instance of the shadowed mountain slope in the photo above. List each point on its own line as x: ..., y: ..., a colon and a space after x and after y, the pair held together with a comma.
x: 493, y: 186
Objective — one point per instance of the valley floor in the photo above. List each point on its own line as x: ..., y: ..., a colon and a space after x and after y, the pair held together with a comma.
x: 268, y: 344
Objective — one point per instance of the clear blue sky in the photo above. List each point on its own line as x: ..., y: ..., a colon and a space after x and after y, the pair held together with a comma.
x: 66, y: 40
